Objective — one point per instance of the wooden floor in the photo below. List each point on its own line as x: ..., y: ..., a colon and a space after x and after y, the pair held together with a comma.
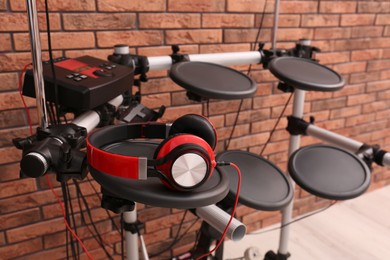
x: 357, y: 229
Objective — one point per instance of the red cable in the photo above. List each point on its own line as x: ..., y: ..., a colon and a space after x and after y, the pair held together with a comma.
x: 231, y: 216
x: 47, y: 177
x: 66, y: 222
x: 21, y: 95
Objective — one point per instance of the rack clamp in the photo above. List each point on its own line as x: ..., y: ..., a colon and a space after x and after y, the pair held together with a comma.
x: 298, y: 126
x: 270, y: 255
x: 176, y: 56
x: 134, y: 228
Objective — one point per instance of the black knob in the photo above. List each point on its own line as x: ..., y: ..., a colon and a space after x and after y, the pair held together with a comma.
x: 34, y: 165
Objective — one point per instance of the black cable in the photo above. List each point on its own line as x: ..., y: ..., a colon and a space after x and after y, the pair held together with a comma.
x: 177, y: 238
x: 253, y: 48
x: 65, y: 197
x: 234, y: 125
x: 296, y: 220
x: 97, y: 194
x: 276, y: 124
x: 73, y: 219
x: 97, y: 237
x: 57, y: 117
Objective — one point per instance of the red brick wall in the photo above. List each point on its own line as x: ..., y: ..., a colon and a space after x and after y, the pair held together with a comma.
x: 355, y: 40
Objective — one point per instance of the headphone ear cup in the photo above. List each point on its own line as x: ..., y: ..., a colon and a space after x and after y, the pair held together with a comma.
x: 195, y: 125
x: 185, y: 160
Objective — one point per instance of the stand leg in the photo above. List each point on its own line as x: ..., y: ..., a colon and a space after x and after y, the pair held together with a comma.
x: 130, y: 217
x: 298, y: 106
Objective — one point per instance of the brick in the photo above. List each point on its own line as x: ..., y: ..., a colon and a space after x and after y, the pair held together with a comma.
x: 248, y: 116
x: 9, y: 155
x: 383, y: 19
x: 346, y: 111
x: 373, y: 7
x: 60, y: 40
x: 169, y: 20
x: 30, y: 200
x: 196, y: 6
x: 248, y: 6
x: 245, y: 35
x: 387, y: 31
x: 385, y: 75
x: 358, y: 120
x: 276, y: 147
x: 167, y: 50
x: 361, y: 99
x: 34, y: 230
x: 9, y: 172
x: 9, y: 81
x: 226, y: 132
x: 271, y: 101
x: 267, y: 125
x: 18, y: 22
x: 298, y: 7
x: 366, y: 31
x: 319, y: 115
x: 56, y: 5
x: 6, y: 135
x: 227, y: 20
x: 159, y: 86
x: 329, y: 104
x: 375, y: 106
x: 16, y: 61
x: 378, y: 65
x: 5, y: 40
x: 111, y: 21
x: 19, y: 218
x: 338, y: 7
x: 133, y: 38
x: 3, y: 4
x: 285, y: 20
x: 156, y: 100
x: 20, y: 249
x: 171, y: 113
x: 98, y: 53
x: 328, y: 20
x: 378, y: 86
x: 164, y: 222
x: 333, y: 57
x: 223, y: 107
x: 248, y: 141
x: 364, y: 77
x: 286, y: 34
x: 332, y: 33
x: 385, y: 95
x: 366, y: 54
x: 125, y: 5
x: 12, y: 100
x: 357, y: 19
x: 193, y: 36
x: 15, y: 118
x: 157, y: 236
x: 350, y: 67
x: 13, y: 188
x: 220, y: 48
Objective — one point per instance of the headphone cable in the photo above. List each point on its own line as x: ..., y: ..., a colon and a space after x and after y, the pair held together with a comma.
x: 233, y: 211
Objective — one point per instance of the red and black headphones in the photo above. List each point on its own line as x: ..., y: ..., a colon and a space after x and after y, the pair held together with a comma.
x: 184, y: 160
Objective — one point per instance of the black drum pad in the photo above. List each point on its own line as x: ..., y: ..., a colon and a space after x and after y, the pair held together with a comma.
x: 152, y: 191
x: 329, y: 172
x: 305, y: 74
x: 211, y: 80
x: 263, y: 185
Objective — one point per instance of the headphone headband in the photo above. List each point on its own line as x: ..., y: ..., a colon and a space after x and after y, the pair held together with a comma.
x: 121, y: 165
